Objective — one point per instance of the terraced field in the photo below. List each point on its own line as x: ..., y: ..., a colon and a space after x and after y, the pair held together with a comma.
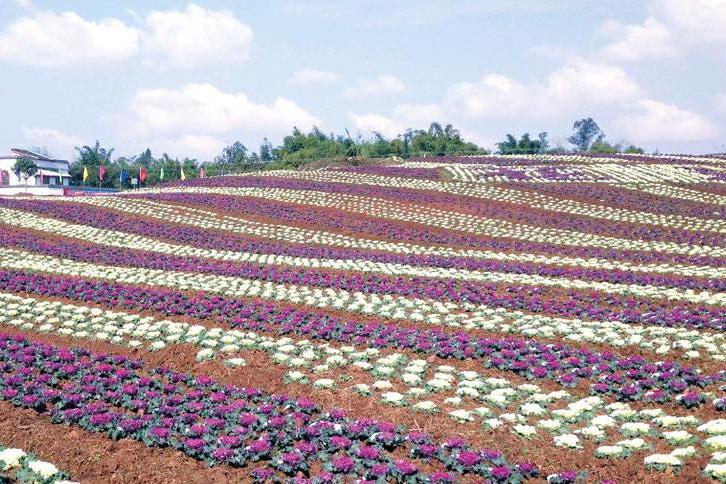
x: 438, y: 320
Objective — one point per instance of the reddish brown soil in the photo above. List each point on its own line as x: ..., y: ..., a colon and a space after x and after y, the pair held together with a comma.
x: 707, y: 366
x: 127, y: 463
x: 91, y: 457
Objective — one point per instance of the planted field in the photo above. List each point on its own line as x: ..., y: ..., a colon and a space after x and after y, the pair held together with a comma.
x: 502, y: 319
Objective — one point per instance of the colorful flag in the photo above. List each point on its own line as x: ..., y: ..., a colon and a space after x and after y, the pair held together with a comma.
x: 124, y: 176
x: 183, y: 175
x: 161, y: 174
x: 142, y: 174
x: 101, y: 172
x: 85, y: 173
x: 202, y: 172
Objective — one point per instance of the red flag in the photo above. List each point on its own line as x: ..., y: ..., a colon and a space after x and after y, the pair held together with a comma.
x: 142, y: 174
x: 101, y: 172
x: 202, y: 173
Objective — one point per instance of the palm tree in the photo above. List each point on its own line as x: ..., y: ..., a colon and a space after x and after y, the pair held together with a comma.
x: 95, y: 155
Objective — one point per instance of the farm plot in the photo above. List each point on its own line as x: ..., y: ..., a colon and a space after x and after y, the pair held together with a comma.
x: 503, y: 319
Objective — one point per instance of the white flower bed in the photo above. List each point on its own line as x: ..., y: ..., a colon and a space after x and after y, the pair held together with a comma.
x: 407, y: 382
x: 466, y: 315
x: 503, y: 194
x: 395, y: 211
x: 23, y: 467
x: 131, y: 241
x: 299, y: 235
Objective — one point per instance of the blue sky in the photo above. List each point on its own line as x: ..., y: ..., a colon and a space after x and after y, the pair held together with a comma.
x: 188, y: 78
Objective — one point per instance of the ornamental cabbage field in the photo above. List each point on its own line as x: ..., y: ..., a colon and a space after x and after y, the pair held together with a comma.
x: 495, y: 319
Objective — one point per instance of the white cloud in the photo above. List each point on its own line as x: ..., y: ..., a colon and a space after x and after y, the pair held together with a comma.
x: 651, y: 39
x: 200, y: 115
x: 308, y: 75
x: 369, y: 123
x: 701, y: 21
x: 185, y: 38
x: 201, y: 147
x: 58, y: 39
x: 578, y: 88
x: 419, y: 115
x: 196, y: 36
x: 653, y: 121
x: 673, y: 27
x: 383, y: 84
x: 480, y: 140
x: 569, y: 89
x: 60, y: 144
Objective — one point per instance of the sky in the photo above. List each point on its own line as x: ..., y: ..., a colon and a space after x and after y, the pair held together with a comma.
x: 189, y: 78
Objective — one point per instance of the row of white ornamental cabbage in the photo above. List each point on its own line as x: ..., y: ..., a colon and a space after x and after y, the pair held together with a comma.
x: 291, y: 234
x: 132, y: 241
x: 524, y: 408
x: 467, y: 316
x: 386, y: 306
x: 503, y: 194
x: 16, y: 465
x: 394, y: 211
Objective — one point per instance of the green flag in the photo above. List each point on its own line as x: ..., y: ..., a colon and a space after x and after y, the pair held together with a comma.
x: 161, y: 175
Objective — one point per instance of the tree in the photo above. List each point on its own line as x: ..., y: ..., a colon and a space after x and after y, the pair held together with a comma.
x: 635, y: 150
x: 585, y: 131
x: 145, y: 158
x: 508, y: 146
x: 234, y: 155
x: 93, y: 156
x: 266, y: 154
x: 27, y: 168
x: 602, y: 146
x: 525, y: 145
x: 544, y: 143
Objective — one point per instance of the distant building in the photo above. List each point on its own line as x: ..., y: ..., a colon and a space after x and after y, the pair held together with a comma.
x: 50, y: 179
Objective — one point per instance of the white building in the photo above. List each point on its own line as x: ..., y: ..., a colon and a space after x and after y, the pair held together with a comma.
x: 50, y: 179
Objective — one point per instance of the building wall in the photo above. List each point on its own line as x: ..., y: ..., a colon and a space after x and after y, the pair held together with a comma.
x: 32, y: 189
x: 8, y: 163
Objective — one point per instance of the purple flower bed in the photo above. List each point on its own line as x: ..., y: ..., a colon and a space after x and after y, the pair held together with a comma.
x: 274, y: 435
x: 622, y: 197
x: 535, y: 299
x: 398, y: 171
x: 335, y: 220
x: 479, y: 160
x: 110, y: 219
x: 514, y: 161
x: 628, y: 378
x: 80, y: 251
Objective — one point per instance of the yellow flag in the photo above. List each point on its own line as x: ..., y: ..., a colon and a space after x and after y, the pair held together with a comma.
x: 85, y: 173
x: 183, y: 176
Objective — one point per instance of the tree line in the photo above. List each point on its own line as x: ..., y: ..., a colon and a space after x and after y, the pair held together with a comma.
x: 299, y: 148
x: 586, y: 137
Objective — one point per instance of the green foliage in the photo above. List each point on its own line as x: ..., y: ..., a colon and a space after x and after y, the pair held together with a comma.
x: 296, y: 150
x: 589, y: 137
x: 26, y: 167
x: 93, y: 157
x: 635, y: 150
x: 602, y: 146
x: 585, y: 131
x: 525, y: 145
